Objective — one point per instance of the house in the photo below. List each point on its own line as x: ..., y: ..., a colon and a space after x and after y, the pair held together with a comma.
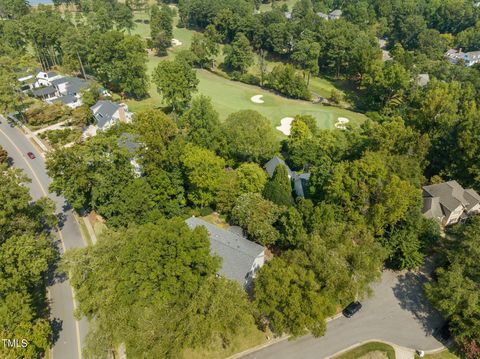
x: 271, y: 165
x: 300, y: 183
x: 322, y: 15
x: 68, y: 100
x: 45, y: 93
x: 383, y: 46
x: 449, y: 203
x: 45, y: 78
x: 128, y: 141
x: 299, y: 180
x: 468, y: 58
x: 423, y: 80
x: 335, y: 14
x: 106, y: 114
x: 241, y: 258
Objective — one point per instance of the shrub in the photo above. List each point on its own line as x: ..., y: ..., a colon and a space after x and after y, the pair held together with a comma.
x: 287, y: 81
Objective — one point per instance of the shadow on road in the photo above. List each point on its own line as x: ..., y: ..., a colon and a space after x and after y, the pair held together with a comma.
x: 409, y: 292
x: 56, y: 325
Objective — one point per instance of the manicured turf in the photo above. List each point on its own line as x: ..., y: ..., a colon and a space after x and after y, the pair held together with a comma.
x: 445, y: 354
x: 367, y: 348
x: 231, y: 96
x: 268, y: 6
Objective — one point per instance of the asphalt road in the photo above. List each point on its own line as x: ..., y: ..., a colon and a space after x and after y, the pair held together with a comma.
x: 397, y: 313
x: 69, y: 334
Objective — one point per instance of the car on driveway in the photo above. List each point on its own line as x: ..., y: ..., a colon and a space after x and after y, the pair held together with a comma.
x: 351, y: 309
x: 31, y: 155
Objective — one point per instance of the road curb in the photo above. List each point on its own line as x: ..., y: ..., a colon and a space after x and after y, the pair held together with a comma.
x: 272, y: 342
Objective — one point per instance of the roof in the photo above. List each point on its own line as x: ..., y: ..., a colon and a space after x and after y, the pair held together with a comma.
x: 51, y: 74
x: 128, y: 141
x: 103, y: 111
x: 423, y: 80
x: 75, y: 85
x: 300, y: 183
x: 237, y: 252
x: 451, y: 195
x: 59, y: 81
x: 271, y: 165
x: 432, y: 208
x: 67, y: 99
x: 336, y: 12
x: 49, y: 90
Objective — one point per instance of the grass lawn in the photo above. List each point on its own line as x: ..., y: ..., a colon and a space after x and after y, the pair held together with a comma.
x: 365, y: 349
x: 445, y: 354
x: 268, y: 6
x: 249, y: 338
x: 231, y: 96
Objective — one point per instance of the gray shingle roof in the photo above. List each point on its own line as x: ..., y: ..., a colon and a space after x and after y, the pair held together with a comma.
x: 432, y: 208
x: 273, y: 163
x: 44, y: 91
x: 103, y: 112
x: 128, y: 141
x: 59, y: 81
x: 450, y: 196
x: 75, y: 85
x: 51, y: 74
x: 67, y: 99
x: 237, y: 252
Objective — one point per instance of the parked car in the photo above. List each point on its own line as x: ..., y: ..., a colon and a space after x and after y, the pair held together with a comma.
x: 31, y: 155
x: 351, y: 309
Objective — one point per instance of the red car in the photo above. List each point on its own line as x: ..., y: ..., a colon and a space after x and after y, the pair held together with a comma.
x: 31, y: 155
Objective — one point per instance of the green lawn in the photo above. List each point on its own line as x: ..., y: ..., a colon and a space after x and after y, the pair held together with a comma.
x: 368, y: 348
x: 445, y: 354
x: 231, y: 96
x: 268, y: 6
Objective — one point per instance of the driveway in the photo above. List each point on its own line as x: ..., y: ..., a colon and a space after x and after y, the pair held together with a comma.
x: 397, y: 313
x: 69, y: 334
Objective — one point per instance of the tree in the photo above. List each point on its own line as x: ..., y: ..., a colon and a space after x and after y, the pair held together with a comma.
x: 279, y: 188
x: 204, y: 172
x: 257, y: 216
x: 205, y: 50
x: 13, y: 8
x: 10, y: 98
x: 285, y: 80
x: 250, y: 136
x: 3, y: 156
x: 175, y: 265
x: 238, y: 55
x: 161, y: 20
x: 161, y: 42
x: 305, y: 55
x: 202, y: 124
x: 123, y: 17
x: 176, y: 81
x: 455, y: 292
x: 119, y: 61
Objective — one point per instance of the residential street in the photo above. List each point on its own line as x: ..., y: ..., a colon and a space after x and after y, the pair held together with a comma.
x: 69, y: 333
x: 396, y: 313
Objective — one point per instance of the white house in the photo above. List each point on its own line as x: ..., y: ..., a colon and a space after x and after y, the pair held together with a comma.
x: 44, y: 79
x: 241, y: 258
x: 469, y: 58
x: 107, y: 114
x: 448, y: 202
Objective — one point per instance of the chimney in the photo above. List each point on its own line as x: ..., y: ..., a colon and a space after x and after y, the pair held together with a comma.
x: 121, y: 114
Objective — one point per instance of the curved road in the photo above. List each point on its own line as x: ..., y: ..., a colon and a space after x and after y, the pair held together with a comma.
x: 396, y: 313
x: 69, y: 334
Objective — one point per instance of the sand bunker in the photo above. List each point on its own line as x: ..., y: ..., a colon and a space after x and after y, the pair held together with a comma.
x: 341, y: 123
x: 285, y: 125
x: 176, y: 42
x: 257, y: 99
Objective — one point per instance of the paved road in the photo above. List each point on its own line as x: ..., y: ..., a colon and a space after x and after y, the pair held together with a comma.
x: 396, y: 313
x: 69, y: 333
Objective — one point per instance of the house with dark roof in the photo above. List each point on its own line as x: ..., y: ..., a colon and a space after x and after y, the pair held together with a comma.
x: 44, y: 78
x: 299, y: 180
x: 106, y: 114
x: 45, y: 93
x: 241, y: 258
x: 449, y: 203
x: 129, y: 142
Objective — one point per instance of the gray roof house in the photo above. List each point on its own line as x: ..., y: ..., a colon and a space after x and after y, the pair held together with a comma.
x: 106, y: 114
x: 45, y: 92
x: 469, y: 58
x: 448, y: 202
x: 335, y: 14
x: 129, y: 142
x: 241, y: 258
x: 299, y: 180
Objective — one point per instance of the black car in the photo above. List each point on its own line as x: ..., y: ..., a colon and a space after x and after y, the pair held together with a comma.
x: 351, y: 309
